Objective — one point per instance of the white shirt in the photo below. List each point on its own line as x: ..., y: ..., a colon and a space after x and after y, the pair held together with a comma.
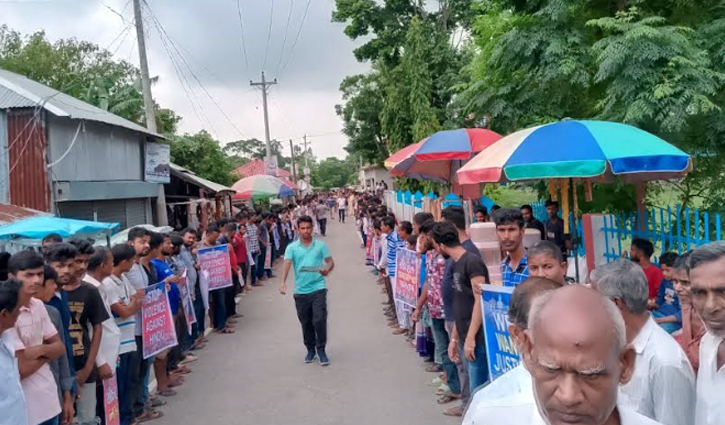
x: 139, y: 280
x: 119, y: 290
x: 521, y: 409
x: 341, y: 203
x: 515, y: 382
x: 111, y: 335
x: 663, y: 384
x: 383, y: 263
x: 12, y: 400
x: 710, y: 384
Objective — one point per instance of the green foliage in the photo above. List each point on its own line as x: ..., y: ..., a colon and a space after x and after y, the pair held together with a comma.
x: 203, y: 155
x: 363, y: 98
x: 333, y: 172
x: 83, y: 70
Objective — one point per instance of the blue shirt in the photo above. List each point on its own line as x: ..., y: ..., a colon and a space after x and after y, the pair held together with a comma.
x: 60, y: 302
x: 162, y: 272
x: 668, y: 302
x: 12, y: 400
x: 394, y: 242
x: 306, y: 262
x: 513, y: 277
x: 422, y: 270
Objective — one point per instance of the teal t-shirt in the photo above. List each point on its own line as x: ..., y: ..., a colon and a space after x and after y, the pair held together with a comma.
x: 310, y: 257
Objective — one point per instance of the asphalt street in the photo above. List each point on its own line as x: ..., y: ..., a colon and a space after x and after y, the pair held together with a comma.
x: 257, y: 375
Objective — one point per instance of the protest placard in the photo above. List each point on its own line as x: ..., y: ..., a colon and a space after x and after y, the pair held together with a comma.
x: 216, y: 262
x: 110, y: 401
x: 186, y: 302
x: 158, y: 323
x: 502, y: 354
x: 406, y: 277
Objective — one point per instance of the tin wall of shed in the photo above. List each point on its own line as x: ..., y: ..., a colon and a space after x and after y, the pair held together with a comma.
x: 26, y: 155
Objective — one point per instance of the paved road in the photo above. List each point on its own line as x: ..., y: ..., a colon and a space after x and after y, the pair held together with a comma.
x: 257, y: 375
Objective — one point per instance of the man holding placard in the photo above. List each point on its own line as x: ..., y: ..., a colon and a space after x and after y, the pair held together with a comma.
x: 312, y: 262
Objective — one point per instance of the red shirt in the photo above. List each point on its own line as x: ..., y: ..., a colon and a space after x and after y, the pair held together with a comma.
x: 240, y: 248
x: 654, y: 278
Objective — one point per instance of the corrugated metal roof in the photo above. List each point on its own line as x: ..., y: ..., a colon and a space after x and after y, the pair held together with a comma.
x: 17, y: 91
x: 10, y: 99
x: 12, y: 213
x: 189, y: 176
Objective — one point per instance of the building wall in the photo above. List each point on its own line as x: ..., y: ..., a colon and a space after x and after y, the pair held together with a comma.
x: 26, y: 154
x: 101, y: 152
x: 371, y: 176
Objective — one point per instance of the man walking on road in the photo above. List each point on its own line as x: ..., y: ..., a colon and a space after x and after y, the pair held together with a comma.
x: 312, y: 263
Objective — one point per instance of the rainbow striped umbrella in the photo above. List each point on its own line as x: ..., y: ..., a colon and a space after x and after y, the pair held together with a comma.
x: 261, y: 186
x: 577, y: 149
x: 437, y: 157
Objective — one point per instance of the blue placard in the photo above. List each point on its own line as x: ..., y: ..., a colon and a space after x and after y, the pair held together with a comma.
x: 501, y: 351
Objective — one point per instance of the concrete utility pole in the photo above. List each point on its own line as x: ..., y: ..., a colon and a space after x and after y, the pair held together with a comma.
x: 148, y: 100
x: 305, y: 138
x: 292, y: 153
x: 265, y: 85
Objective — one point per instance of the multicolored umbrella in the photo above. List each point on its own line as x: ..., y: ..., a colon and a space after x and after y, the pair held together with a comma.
x: 577, y: 149
x: 261, y: 186
x: 456, y: 144
x: 401, y: 155
x: 438, y: 157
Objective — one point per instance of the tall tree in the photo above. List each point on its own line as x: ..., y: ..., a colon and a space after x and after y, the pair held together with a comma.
x: 202, y: 154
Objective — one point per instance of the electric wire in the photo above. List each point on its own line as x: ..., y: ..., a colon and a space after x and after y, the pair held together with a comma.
x: 284, y: 40
x: 269, y: 33
x: 297, y: 38
x: 241, y: 32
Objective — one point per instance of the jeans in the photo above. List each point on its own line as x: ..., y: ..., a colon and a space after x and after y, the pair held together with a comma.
x: 440, y: 336
x: 218, y: 297
x: 312, y: 313
x: 52, y: 421
x: 341, y: 215
x: 200, y: 313
x: 86, y: 404
x: 477, y: 369
x: 243, y: 269
x: 463, y: 381
x: 139, y: 368
x: 323, y: 225
x: 253, y: 270
x: 123, y: 376
x: 260, y: 263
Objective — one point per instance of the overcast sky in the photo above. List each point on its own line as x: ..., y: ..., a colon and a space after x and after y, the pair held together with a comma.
x: 208, y: 36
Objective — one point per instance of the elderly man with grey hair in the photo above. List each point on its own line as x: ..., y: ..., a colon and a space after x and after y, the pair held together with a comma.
x: 576, y: 369
x: 663, y: 384
x: 707, y: 285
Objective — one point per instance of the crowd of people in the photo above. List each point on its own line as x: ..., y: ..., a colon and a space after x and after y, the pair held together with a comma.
x: 71, y: 312
x: 635, y: 344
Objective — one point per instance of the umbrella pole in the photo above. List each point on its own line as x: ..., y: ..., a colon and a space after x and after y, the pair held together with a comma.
x: 573, y: 233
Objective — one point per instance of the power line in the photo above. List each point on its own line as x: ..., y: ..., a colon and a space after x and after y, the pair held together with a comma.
x: 191, y: 71
x: 241, y: 31
x: 286, y: 30
x: 297, y: 38
x: 181, y: 76
x: 269, y: 33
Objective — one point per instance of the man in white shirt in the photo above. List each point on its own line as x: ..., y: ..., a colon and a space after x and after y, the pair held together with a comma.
x: 663, y: 384
x: 12, y: 400
x: 576, y: 369
x: 517, y: 381
x: 707, y: 283
x: 341, y: 206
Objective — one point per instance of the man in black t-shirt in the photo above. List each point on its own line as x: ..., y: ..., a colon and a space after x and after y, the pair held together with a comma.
x: 467, y: 336
x: 555, y: 226
x: 87, y: 312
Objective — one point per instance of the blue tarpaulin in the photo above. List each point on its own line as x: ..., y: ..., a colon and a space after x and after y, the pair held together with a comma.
x: 39, y: 227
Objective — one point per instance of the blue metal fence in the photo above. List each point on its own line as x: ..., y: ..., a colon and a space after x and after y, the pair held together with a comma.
x: 669, y: 229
